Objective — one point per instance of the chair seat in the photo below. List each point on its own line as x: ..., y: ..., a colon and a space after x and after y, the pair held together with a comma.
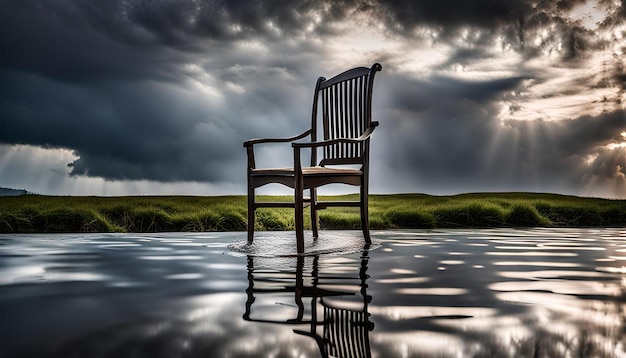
x: 307, y: 171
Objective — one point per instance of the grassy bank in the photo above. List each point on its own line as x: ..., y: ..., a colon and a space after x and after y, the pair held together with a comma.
x: 33, y: 213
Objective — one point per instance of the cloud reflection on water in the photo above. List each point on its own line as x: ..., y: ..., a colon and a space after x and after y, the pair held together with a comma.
x: 559, y: 305
x: 442, y: 293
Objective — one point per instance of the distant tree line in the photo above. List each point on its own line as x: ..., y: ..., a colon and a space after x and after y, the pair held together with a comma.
x: 13, y: 192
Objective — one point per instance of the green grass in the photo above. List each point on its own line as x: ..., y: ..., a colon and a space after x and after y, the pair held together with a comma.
x: 44, y: 214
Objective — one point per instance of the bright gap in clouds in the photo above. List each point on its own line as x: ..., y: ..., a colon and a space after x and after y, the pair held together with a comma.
x: 589, y: 14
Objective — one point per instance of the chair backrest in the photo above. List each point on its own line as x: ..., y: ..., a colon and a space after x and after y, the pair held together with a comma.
x: 345, y: 102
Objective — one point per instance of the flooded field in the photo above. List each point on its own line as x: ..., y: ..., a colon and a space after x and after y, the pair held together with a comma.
x: 441, y: 293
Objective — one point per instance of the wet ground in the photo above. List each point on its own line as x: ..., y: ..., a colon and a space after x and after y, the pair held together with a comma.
x: 444, y: 293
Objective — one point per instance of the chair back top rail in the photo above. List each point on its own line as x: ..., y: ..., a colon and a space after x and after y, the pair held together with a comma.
x: 347, y: 75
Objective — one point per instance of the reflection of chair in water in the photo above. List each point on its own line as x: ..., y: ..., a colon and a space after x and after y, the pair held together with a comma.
x: 346, y: 332
x: 345, y: 323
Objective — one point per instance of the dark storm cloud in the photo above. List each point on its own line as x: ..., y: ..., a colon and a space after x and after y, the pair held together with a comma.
x: 121, y: 131
x: 167, y: 90
x: 65, y: 42
x: 517, y: 21
x: 453, y: 137
x: 483, y: 13
x: 104, y: 79
x: 442, y: 138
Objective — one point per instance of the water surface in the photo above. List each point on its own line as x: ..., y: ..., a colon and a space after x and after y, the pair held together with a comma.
x: 443, y: 293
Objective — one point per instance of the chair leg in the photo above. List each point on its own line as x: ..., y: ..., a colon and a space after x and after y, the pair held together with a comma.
x: 315, y: 224
x: 299, y: 289
x: 299, y: 215
x: 251, y: 216
x: 250, y: 289
x: 365, y: 223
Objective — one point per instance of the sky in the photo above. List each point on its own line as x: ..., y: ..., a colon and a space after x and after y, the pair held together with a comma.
x: 138, y: 97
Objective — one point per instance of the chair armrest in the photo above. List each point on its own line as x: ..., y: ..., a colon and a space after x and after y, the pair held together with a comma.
x: 325, y: 143
x: 251, y: 142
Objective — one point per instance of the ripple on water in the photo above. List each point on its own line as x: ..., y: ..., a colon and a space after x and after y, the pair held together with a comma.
x: 283, y: 244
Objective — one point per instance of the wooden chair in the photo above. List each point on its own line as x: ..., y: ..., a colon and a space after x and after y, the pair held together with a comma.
x: 346, y: 118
